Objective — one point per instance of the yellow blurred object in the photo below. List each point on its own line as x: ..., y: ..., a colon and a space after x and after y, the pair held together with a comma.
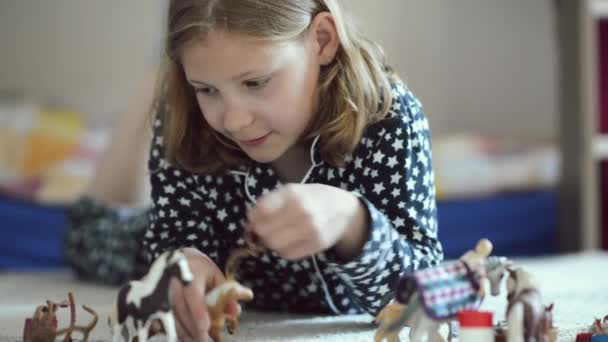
x: 11, y: 152
x: 64, y: 182
x: 54, y: 137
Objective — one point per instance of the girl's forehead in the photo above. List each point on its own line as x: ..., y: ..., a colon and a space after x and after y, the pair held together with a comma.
x: 224, y: 40
x: 221, y: 52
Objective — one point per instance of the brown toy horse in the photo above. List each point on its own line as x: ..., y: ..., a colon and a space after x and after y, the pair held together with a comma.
x: 527, y: 318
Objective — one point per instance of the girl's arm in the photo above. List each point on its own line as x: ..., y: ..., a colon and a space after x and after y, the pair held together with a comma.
x: 394, y: 172
x: 179, y: 217
x: 120, y: 176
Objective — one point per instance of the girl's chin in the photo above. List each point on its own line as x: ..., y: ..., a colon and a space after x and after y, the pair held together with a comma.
x: 261, y: 156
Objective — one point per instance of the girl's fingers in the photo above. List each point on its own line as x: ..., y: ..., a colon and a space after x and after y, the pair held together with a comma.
x: 181, y: 331
x: 269, y: 228
x: 289, y: 234
x: 268, y: 205
x: 197, y: 308
x: 182, y: 313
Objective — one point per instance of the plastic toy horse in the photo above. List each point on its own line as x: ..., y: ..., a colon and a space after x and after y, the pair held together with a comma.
x: 599, y: 327
x: 527, y: 319
x: 140, y: 302
x: 427, y: 298
x: 217, y: 299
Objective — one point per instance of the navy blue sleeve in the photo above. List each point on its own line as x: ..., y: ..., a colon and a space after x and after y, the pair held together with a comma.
x: 394, y: 169
x: 180, y: 217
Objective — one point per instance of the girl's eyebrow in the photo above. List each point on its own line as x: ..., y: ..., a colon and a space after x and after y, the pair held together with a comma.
x: 237, y: 77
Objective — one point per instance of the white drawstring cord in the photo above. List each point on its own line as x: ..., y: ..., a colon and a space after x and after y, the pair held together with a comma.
x: 328, y: 298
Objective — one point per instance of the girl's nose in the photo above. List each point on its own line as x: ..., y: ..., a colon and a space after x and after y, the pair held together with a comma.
x: 236, y: 118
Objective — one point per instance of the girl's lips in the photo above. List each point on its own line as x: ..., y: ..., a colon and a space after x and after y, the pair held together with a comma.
x: 256, y: 142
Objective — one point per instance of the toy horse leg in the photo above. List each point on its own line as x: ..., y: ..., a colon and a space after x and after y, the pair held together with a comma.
x: 216, y: 333
x: 168, y: 322
x: 423, y: 328
x: 452, y: 330
x: 117, y: 333
x: 142, y: 332
x: 434, y: 335
x: 419, y: 326
x: 388, y: 316
x: 232, y: 324
x: 390, y: 336
x: 412, y: 307
x: 515, y: 322
x: 381, y: 334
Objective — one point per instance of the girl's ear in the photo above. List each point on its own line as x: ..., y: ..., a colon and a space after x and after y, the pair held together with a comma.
x: 325, y: 37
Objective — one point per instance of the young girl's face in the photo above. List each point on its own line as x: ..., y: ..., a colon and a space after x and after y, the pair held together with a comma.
x: 261, y: 95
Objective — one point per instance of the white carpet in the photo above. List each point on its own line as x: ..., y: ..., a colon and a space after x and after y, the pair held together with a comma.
x: 577, y: 284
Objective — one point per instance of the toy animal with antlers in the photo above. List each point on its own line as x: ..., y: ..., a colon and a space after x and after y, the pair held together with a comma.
x: 42, y: 327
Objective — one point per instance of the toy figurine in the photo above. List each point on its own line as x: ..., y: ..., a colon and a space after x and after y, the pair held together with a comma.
x: 426, y: 298
x: 599, y: 327
x: 216, y: 300
x: 42, y: 327
x: 527, y: 319
x: 140, y: 302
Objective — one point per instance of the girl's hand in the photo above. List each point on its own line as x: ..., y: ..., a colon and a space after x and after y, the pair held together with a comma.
x: 298, y: 220
x: 192, y: 320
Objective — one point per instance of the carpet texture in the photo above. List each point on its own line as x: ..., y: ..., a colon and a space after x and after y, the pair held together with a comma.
x: 577, y: 284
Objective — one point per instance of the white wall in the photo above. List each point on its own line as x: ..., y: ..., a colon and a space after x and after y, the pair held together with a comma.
x: 89, y: 55
x: 486, y: 66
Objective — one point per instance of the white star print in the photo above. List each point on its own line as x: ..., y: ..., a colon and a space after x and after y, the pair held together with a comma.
x: 358, y: 163
x: 162, y: 201
x: 411, y: 184
x: 412, y: 212
x: 378, y: 188
x: 399, y: 222
x: 415, y: 171
x: 422, y: 159
x: 396, y: 192
x: 378, y: 156
x: 392, y: 161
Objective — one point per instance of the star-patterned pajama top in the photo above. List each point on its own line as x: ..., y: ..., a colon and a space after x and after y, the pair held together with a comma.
x: 391, y: 173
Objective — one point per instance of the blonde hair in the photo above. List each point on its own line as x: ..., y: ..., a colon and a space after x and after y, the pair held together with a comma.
x: 355, y: 89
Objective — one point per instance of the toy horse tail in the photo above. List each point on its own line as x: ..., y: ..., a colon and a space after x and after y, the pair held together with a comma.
x: 405, y: 314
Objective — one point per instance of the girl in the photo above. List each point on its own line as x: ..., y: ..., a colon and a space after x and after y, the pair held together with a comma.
x: 277, y: 117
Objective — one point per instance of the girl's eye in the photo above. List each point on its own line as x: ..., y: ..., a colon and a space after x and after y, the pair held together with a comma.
x: 206, y: 91
x: 257, y: 84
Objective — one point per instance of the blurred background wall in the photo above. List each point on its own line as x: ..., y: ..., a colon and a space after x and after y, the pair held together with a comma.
x: 483, y: 66
x: 87, y: 55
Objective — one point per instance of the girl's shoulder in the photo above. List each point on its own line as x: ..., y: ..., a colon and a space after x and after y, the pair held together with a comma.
x: 405, y: 113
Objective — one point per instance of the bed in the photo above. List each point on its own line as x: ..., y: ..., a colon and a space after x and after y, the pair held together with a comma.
x: 519, y: 224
